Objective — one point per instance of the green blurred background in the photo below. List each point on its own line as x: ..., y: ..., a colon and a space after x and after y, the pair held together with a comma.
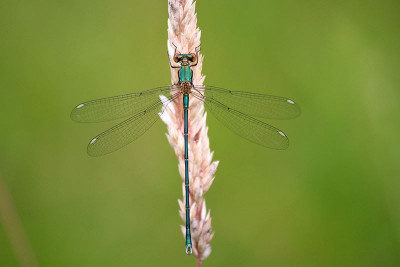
x: 331, y: 199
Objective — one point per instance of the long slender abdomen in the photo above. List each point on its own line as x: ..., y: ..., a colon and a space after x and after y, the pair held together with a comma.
x: 188, y: 235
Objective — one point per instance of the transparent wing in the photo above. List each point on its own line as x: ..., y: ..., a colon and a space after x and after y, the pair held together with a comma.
x: 258, y: 105
x: 127, y: 131
x: 117, y: 107
x: 245, y: 126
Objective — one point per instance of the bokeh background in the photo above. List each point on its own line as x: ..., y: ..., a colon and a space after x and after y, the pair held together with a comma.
x: 331, y: 199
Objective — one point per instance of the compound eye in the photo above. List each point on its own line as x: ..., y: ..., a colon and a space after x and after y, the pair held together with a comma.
x: 176, y: 58
x: 193, y: 57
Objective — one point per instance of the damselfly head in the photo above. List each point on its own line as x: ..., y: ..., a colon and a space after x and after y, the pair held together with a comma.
x: 185, y: 59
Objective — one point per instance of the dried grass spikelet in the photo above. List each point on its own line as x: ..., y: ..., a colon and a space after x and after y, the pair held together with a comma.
x: 184, y: 34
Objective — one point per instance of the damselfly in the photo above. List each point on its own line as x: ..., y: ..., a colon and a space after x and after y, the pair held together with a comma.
x: 234, y: 109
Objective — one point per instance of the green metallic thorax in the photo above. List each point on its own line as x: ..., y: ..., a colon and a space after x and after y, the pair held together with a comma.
x: 185, y: 74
